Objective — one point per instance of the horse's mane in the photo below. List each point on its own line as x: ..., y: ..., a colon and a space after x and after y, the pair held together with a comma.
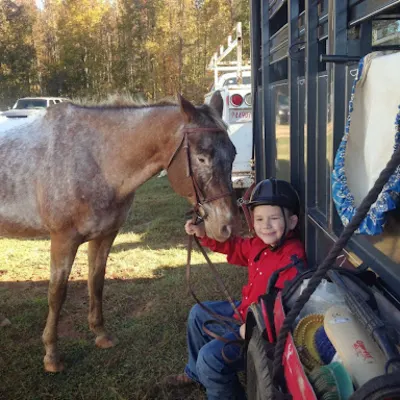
x: 121, y: 101
x: 127, y: 101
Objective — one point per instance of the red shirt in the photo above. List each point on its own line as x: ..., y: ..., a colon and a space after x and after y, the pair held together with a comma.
x: 261, y: 262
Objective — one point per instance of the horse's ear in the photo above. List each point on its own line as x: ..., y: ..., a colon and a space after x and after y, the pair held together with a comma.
x: 187, y: 108
x: 217, y: 103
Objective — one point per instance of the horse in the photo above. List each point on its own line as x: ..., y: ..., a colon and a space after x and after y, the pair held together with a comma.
x: 71, y: 174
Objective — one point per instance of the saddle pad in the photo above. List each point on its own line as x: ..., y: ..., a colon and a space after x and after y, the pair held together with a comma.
x: 372, y: 133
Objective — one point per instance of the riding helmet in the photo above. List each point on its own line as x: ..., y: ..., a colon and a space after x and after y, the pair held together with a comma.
x: 275, y: 192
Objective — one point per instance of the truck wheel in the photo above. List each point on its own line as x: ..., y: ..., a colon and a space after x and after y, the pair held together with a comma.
x: 259, y: 382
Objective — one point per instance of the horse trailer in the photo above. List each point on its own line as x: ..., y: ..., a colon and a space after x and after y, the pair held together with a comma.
x: 333, y: 65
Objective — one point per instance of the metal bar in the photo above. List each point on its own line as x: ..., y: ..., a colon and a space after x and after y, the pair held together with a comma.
x: 281, y: 46
x: 337, y: 59
x: 311, y: 49
x: 323, y: 19
x: 256, y: 20
x: 315, y: 219
x: 365, y: 38
x: 233, y: 69
x: 337, y: 43
x: 383, y: 48
x: 275, y: 7
x: 281, y: 32
x: 302, y: 152
x: 367, y: 9
x: 268, y: 135
x: 274, y: 58
x: 296, y: 139
x: 387, y: 17
x: 224, y: 52
x: 297, y: 169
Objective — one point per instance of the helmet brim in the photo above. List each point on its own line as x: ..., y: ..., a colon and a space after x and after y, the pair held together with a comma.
x: 274, y: 202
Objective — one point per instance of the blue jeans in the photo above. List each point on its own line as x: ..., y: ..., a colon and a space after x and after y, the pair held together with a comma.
x: 206, y: 364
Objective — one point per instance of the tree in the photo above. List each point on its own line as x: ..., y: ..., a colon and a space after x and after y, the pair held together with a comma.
x: 18, y: 75
x: 90, y: 48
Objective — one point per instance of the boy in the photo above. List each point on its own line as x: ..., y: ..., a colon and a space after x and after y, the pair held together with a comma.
x: 275, y: 209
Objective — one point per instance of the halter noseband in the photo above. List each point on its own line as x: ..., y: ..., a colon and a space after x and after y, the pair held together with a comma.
x: 200, y: 198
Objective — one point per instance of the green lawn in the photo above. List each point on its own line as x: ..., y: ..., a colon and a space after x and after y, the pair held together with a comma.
x: 145, y: 306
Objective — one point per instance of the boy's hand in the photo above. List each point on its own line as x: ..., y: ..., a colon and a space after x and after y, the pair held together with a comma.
x: 242, y: 331
x: 192, y: 229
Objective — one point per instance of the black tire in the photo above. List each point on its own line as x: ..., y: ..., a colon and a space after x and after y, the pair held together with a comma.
x: 380, y: 388
x: 259, y: 382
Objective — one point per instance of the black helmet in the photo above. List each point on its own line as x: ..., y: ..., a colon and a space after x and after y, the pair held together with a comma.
x: 275, y: 192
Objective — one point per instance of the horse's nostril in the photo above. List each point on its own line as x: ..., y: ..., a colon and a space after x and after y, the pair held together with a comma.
x: 226, y: 230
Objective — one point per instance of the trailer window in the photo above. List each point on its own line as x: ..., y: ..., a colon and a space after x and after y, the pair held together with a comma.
x: 385, y: 33
x: 280, y: 94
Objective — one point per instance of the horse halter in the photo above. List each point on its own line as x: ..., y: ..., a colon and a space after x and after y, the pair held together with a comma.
x: 200, y: 198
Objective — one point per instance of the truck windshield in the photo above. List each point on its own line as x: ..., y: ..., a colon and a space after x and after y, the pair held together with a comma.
x: 246, y: 80
x: 30, y: 103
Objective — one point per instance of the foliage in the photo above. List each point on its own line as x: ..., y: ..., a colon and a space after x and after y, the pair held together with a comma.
x: 92, y: 48
x: 17, y: 50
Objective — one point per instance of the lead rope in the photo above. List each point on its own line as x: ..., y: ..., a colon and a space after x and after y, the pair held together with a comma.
x: 218, y: 319
x: 320, y: 273
x: 217, y: 277
x: 242, y: 202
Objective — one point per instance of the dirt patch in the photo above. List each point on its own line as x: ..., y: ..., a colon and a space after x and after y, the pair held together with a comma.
x: 138, y: 312
x: 67, y: 327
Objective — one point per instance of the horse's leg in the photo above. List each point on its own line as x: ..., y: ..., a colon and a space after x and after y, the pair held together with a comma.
x: 98, y: 253
x: 63, y: 251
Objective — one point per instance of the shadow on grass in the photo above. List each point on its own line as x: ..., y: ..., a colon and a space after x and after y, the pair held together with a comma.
x: 147, y: 315
x: 179, y: 241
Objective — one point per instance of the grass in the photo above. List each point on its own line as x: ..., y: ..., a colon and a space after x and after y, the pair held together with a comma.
x: 145, y: 306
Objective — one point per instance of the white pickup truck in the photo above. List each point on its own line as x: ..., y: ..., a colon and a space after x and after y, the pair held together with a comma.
x: 27, y: 106
x: 235, y: 89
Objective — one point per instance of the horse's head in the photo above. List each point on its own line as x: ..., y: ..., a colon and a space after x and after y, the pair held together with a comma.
x: 201, y: 168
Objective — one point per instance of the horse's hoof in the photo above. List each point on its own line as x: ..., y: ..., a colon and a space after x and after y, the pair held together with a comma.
x: 105, y: 341
x: 52, y: 365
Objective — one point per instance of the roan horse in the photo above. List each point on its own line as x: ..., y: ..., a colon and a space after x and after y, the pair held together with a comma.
x: 71, y: 174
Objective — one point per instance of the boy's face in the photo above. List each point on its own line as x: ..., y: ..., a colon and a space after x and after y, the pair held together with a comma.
x: 269, y: 223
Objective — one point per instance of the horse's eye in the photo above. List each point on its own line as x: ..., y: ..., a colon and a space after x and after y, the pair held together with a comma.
x: 202, y: 160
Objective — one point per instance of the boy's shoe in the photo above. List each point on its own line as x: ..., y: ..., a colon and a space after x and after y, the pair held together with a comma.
x: 178, y: 380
